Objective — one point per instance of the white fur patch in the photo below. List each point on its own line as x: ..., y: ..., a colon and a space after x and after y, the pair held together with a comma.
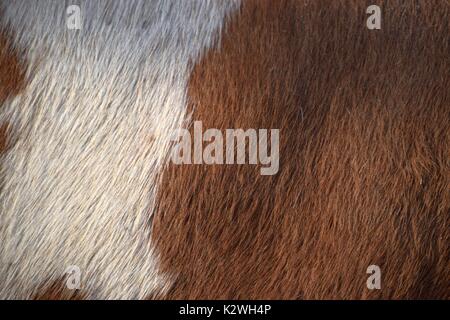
x: 91, y: 131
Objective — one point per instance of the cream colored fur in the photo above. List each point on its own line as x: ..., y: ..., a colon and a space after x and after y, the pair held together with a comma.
x: 91, y: 132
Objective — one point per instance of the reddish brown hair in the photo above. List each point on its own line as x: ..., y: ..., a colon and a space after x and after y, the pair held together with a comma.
x: 364, y: 157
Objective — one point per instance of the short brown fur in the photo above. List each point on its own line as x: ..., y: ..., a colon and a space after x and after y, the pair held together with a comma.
x: 12, y: 78
x: 364, y: 157
x: 58, y: 290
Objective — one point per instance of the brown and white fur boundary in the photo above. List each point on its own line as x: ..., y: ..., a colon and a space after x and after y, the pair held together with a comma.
x: 364, y: 157
x: 91, y: 130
